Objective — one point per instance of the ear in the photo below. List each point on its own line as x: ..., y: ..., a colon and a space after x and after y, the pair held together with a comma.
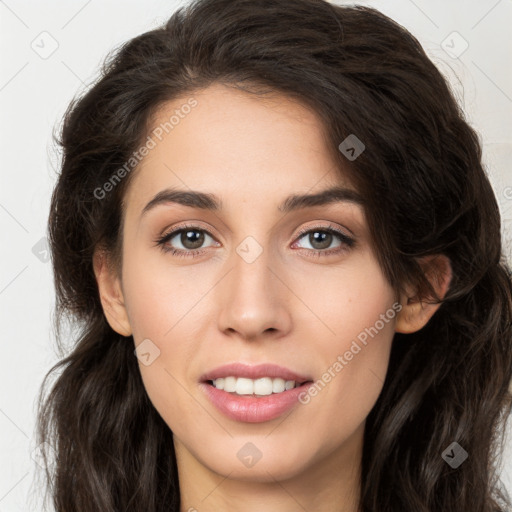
x: 415, y: 313
x: 111, y: 294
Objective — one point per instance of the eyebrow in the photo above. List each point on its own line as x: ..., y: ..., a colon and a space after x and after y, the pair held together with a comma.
x: 208, y: 201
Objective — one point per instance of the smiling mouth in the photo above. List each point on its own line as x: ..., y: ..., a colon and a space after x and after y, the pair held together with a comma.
x: 261, y: 387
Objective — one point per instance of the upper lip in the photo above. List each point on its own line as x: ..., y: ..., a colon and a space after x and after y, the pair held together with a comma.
x: 254, y: 372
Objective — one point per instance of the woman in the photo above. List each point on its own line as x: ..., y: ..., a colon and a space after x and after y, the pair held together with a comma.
x: 229, y: 357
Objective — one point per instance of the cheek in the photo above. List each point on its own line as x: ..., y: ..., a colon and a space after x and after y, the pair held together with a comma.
x: 163, y: 313
x: 357, y: 311
x: 351, y: 303
x: 159, y: 296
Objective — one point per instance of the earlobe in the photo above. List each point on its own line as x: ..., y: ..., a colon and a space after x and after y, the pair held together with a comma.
x: 415, y: 313
x: 111, y: 294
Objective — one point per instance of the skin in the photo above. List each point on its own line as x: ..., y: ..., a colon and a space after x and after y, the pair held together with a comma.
x: 287, y: 307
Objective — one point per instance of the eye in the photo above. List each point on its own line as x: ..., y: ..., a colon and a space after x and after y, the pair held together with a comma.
x: 184, y: 241
x: 188, y: 241
x: 320, y: 240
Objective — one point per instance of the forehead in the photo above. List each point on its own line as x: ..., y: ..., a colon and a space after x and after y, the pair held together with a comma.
x: 232, y: 143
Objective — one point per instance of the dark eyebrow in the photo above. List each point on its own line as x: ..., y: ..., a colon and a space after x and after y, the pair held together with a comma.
x: 205, y: 201
x: 328, y: 196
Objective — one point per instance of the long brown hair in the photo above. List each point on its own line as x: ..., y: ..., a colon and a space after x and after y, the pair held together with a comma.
x: 426, y: 193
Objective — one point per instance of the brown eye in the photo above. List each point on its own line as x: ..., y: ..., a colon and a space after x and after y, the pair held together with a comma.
x: 322, y: 238
x: 192, y: 239
x: 186, y: 240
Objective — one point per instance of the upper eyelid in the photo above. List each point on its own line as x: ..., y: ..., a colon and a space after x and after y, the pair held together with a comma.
x: 179, y: 228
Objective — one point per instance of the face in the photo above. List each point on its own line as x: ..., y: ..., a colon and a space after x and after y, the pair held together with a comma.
x: 256, y: 292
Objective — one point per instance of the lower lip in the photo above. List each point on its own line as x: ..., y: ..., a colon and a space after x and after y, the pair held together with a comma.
x: 250, y: 409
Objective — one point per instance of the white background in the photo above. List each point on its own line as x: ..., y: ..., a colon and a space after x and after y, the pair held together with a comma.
x: 34, y: 93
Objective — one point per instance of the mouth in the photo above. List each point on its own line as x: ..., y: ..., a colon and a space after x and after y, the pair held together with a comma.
x: 254, y: 394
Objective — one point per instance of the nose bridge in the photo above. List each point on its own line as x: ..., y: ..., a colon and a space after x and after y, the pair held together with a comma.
x: 251, y: 298
x: 251, y: 286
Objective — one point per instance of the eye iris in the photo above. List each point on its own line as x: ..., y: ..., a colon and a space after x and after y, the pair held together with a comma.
x: 195, y: 238
x: 324, y: 238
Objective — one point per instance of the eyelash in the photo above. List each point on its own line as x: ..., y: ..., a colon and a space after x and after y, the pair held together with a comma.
x: 346, y: 241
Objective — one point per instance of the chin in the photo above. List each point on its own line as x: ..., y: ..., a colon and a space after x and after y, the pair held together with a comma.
x: 258, y: 460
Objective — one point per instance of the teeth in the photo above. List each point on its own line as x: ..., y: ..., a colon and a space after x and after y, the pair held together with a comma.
x: 244, y: 386
x: 278, y: 385
x: 289, y: 384
x: 229, y: 384
x: 262, y: 387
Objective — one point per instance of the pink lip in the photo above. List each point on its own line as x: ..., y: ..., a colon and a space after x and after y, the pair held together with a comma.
x: 253, y: 372
x: 251, y: 409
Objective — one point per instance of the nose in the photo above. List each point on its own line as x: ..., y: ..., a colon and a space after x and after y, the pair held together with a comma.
x: 253, y: 299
